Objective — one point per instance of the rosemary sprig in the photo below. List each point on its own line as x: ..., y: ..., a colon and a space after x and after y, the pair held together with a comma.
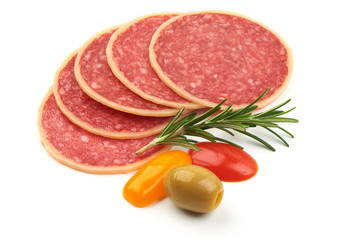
x: 229, y: 119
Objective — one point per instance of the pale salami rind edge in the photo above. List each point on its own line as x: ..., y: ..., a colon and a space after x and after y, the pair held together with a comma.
x: 185, y: 94
x: 80, y: 166
x: 94, y: 95
x: 88, y: 127
x: 120, y: 75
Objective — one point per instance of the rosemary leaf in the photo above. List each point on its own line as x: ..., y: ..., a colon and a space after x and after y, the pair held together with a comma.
x: 271, y: 114
x: 273, y: 120
x: 220, y: 115
x: 277, y: 135
x: 227, y: 131
x: 177, y: 125
x: 282, y: 129
x: 229, y: 142
x: 184, y: 144
x: 242, y: 113
x: 230, y: 125
x: 206, y: 114
x: 176, y: 117
x: 254, y: 123
x: 274, y: 108
x: 258, y: 139
x: 197, y: 132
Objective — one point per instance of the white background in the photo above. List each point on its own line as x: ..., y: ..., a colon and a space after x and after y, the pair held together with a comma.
x: 307, y: 191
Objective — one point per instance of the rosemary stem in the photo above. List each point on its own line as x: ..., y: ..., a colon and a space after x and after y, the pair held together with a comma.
x: 156, y: 140
x: 180, y: 131
x: 146, y: 147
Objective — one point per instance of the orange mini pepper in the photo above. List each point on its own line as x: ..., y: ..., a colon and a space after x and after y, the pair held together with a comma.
x: 146, y: 186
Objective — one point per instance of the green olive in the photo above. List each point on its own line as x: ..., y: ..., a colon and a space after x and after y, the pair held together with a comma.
x: 194, y: 188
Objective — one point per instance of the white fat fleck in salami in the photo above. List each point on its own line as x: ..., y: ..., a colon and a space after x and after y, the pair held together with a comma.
x: 128, y: 57
x: 96, y: 117
x: 87, y: 152
x: 97, y: 80
x: 211, y: 55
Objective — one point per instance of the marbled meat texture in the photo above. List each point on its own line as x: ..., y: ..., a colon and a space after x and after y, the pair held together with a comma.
x: 83, y: 147
x: 99, y: 77
x: 131, y: 57
x: 95, y: 114
x: 214, y: 56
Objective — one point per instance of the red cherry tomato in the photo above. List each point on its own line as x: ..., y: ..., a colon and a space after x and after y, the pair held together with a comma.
x: 227, y: 162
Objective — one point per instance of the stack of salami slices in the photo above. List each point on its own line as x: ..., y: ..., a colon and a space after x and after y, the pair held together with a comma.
x: 121, y: 87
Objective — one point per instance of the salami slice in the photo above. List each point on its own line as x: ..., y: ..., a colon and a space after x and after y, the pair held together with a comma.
x: 211, y: 55
x: 97, y: 80
x: 84, y: 151
x: 96, y: 117
x: 128, y: 57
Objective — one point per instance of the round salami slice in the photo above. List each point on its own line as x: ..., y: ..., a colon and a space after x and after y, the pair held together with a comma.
x: 97, y: 80
x: 211, y: 55
x: 96, y: 117
x: 128, y: 57
x: 87, y: 152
